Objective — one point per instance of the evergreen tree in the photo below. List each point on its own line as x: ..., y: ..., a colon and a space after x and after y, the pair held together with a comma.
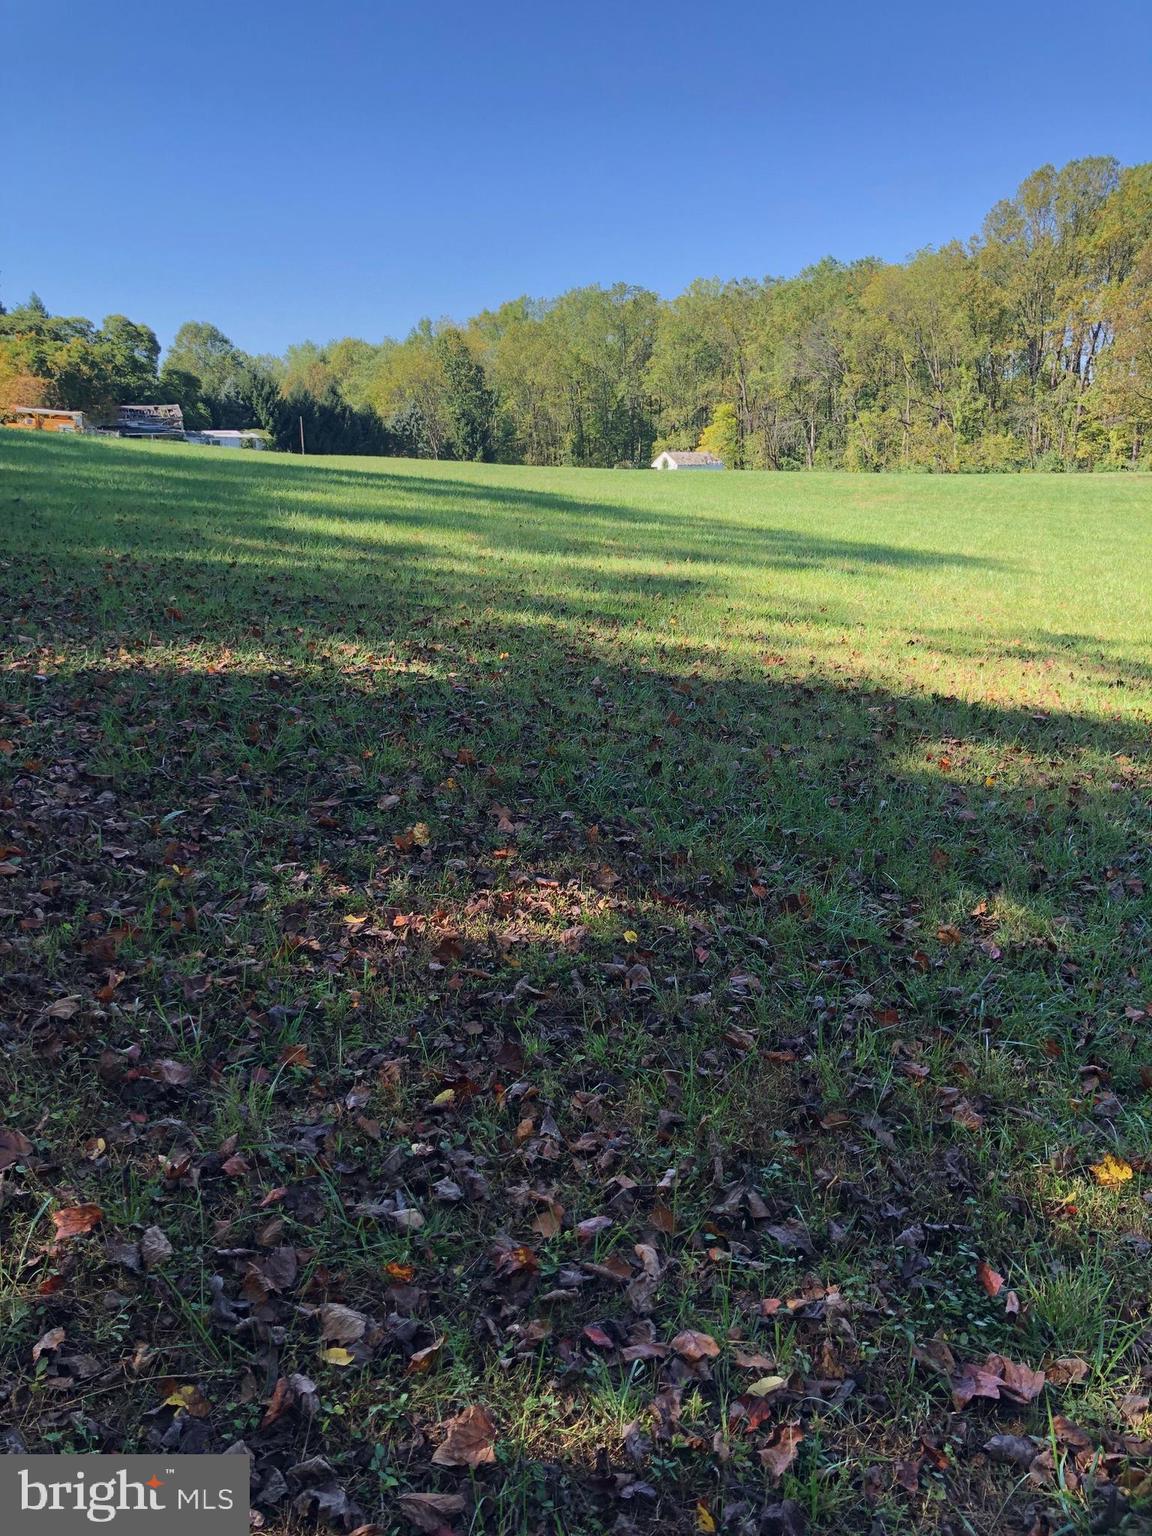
x: 471, y: 405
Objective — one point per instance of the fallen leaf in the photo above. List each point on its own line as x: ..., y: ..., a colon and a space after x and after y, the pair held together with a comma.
x: 469, y: 1442
x: 1067, y: 1371
x: 753, y: 1360
x: 190, y: 1399
x: 279, y: 1403
x: 548, y: 1223
x: 907, y: 1474
x: 1111, y: 1171
x: 338, y: 1355
x: 964, y: 1114
x: 50, y: 1340
x: 592, y: 1227
x: 155, y: 1249
x: 14, y: 1148
x: 989, y: 1279
x: 176, y: 1074
x: 766, y: 1385
x: 63, y: 1008
x: 597, y: 1336
x: 996, y: 1378
x: 1015, y: 1450
x: 1021, y: 1383
x: 425, y: 1359
x: 973, y: 1381
x: 695, y: 1346
x: 430, y: 1512
x: 781, y: 1451
x: 75, y: 1220
x: 339, y: 1324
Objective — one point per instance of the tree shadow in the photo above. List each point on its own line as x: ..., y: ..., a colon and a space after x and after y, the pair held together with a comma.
x: 633, y: 910
x: 262, y: 488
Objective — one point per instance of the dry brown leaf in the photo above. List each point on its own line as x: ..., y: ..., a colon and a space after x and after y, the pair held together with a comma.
x: 340, y: 1325
x: 781, y: 1451
x: 430, y: 1512
x: 279, y: 1403
x: 592, y: 1227
x: 548, y: 1223
x: 14, y: 1148
x: 470, y: 1440
x: 989, y: 1279
x: 155, y: 1249
x: 1067, y: 1371
x: 75, y: 1220
x: 753, y: 1360
x: 50, y: 1340
x: 425, y: 1359
x: 1021, y: 1383
x: 63, y: 1008
x: 693, y: 1346
x: 997, y: 1378
x: 965, y: 1115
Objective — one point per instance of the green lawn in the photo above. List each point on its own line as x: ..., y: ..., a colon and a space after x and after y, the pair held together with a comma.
x: 495, y: 926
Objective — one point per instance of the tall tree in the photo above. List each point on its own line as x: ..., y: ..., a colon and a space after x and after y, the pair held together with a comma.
x: 470, y: 404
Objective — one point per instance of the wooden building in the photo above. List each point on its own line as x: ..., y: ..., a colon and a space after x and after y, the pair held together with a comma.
x: 149, y: 421
x: 43, y: 418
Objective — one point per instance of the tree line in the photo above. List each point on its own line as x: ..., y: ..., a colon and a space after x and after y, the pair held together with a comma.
x: 1027, y: 347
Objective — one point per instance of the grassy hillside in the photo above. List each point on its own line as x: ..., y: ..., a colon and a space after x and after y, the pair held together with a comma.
x: 619, y: 1000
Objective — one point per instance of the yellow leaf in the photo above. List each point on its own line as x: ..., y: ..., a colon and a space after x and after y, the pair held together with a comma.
x: 630, y: 937
x: 442, y: 1100
x: 338, y: 1355
x: 1111, y: 1171
x: 191, y: 1399
x: 765, y: 1384
x: 421, y: 836
x: 705, y: 1521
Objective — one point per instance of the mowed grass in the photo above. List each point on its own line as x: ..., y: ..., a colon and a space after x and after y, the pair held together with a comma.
x: 548, y: 912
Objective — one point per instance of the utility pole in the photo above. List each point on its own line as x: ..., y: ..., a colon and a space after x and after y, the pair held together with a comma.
x: 301, y: 420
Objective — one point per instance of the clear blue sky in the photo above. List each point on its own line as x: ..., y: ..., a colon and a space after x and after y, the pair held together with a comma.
x: 299, y: 170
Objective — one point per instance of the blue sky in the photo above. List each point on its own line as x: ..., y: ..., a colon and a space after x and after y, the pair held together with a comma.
x: 296, y: 170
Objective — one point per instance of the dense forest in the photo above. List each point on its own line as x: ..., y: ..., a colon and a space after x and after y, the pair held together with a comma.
x: 1030, y: 346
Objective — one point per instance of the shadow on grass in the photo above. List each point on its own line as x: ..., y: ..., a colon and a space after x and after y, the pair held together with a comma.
x: 260, y: 490
x: 763, y: 932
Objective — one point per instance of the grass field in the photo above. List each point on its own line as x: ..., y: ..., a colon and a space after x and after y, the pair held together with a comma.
x: 620, y: 1001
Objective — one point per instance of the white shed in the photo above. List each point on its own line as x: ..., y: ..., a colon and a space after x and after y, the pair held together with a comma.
x: 226, y: 437
x: 671, y: 459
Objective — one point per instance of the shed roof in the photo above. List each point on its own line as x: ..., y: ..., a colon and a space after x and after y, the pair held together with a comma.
x: 43, y: 410
x: 679, y: 457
